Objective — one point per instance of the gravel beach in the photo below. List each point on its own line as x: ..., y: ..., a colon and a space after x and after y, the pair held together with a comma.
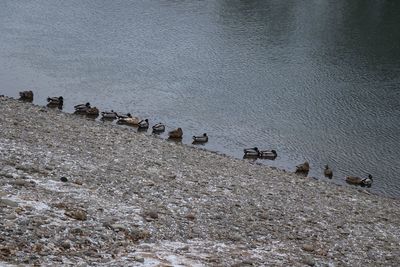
x: 75, y: 191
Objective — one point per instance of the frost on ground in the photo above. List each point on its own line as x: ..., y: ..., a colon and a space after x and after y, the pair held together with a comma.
x: 79, y: 192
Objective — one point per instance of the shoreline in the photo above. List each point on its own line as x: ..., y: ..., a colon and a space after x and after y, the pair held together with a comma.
x: 161, y: 202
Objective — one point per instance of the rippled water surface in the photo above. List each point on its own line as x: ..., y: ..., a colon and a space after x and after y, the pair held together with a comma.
x: 315, y: 80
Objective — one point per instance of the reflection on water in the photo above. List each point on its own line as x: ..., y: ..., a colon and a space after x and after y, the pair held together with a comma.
x: 314, y: 80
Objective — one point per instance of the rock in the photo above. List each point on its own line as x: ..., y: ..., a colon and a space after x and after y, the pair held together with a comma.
x: 138, y: 234
x: 118, y: 227
x: 66, y: 244
x: 19, y: 182
x: 138, y: 259
x: 308, y: 260
x: 8, y: 202
x: 78, y: 214
x: 190, y: 217
x: 152, y: 214
x: 11, y: 216
x: 308, y: 247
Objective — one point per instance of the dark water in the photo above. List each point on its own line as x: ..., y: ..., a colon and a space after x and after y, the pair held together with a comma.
x: 316, y: 80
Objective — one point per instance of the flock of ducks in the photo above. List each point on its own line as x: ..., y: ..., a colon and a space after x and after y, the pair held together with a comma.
x: 123, y: 119
x: 143, y: 125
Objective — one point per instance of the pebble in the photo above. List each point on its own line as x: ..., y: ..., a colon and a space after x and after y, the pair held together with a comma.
x: 308, y: 247
x: 308, y: 260
x: 9, y: 203
x: 78, y: 214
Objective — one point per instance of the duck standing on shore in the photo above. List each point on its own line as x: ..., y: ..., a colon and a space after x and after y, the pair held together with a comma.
x: 303, y: 168
x: 158, y: 128
x: 26, y: 96
x: 200, y: 139
x: 251, y: 152
x: 53, y: 102
x: 175, y: 134
x: 328, y: 172
x: 354, y: 180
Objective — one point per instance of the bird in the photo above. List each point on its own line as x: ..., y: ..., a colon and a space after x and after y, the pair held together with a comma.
x: 131, y: 121
x: 176, y: 134
x: 158, y: 128
x: 124, y: 116
x: 143, y: 124
x: 109, y: 115
x: 82, y: 108
x: 251, y: 152
x: 92, y: 111
x: 200, y: 139
x: 268, y: 154
x: 354, y: 180
x: 303, y: 168
x: 55, y: 101
x: 328, y: 172
x: 26, y: 96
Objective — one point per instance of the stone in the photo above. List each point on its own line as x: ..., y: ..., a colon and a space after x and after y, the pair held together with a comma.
x: 8, y: 202
x: 66, y: 244
x: 308, y: 260
x: 190, y: 217
x: 77, y: 214
x: 308, y: 247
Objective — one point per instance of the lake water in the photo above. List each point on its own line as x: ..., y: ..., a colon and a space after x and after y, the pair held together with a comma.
x: 315, y: 80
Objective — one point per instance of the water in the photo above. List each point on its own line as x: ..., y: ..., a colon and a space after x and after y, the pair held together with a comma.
x: 315, y: 80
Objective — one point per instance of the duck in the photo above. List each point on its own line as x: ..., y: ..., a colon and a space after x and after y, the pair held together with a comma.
x: 55, y: 101
x: 328, y: 171
x: 251, y: 152
x: 143, y: 124
x: 124, y: 116
x: 82, y: 108
x: 92, y: 111
x: 303, y: 168
x: 26, y: 96
x: 109, y: 115
x: 354, y: 180
x: 176, y: 134
x: 132, y: 121
x: 268, y: 154
x: 200, y: 139
x: 158, y: 128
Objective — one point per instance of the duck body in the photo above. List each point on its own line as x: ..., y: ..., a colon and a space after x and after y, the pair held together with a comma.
x: 124, y: 116
x: 355, y: 180
x: 268, y: 154
x: 55, y: 101
x: 92, y: 111
x: 176, y: 134
x: 200, y: 139
x: 109, y: 115
x: 158, y: 128
x: 82, y: 108
x: 132, y: 121
x: 143, y: 124
x: 26, y: 96
x: 303, y: 168
x: 251, y: 152
x: 328, y: 172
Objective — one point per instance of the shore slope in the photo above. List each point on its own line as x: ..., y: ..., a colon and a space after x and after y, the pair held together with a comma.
x: 133, y: 199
